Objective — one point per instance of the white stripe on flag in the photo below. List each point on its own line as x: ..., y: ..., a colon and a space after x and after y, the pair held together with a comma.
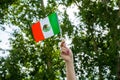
x: 49, y: 33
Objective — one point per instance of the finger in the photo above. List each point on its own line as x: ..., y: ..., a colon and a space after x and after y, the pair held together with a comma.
x: 63, y: 48
x: 63, y: 43
x: 64, y: 51
x: 63, y: 55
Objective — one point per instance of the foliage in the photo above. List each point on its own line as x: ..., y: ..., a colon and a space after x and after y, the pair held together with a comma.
x: 4, y: 4
x: 95, y: 41
x: 99, y: 49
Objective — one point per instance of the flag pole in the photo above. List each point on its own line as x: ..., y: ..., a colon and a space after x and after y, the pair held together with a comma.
x: 61, y: 36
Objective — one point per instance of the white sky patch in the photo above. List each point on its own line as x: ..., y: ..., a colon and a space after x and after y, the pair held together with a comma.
x: 45, y: 3
x: 61, y: 8
x: 4, y: 36
x: 118, y: 27
x: 71, y: 11
x: 72, y: 17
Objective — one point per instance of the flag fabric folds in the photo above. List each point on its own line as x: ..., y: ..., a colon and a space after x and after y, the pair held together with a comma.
x: 46, y: 27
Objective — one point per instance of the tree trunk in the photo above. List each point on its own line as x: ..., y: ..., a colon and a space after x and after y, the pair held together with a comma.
x: 118, y: 74
x: 43, y: 7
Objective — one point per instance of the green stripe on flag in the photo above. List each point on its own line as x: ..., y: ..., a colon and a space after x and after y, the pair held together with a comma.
x: 54, y: 23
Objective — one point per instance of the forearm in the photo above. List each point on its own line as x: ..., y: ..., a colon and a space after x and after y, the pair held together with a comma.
x: 67, y: 55
x: 70, y: 72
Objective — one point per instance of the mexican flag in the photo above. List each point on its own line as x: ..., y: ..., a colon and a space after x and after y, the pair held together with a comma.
x: 46, y: 27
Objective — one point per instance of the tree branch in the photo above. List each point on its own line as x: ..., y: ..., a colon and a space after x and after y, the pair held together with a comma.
x: 43, y: 7
x: 77, y: 4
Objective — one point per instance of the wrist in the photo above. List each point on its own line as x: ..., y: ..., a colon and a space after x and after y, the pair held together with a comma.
x: 69, y: 62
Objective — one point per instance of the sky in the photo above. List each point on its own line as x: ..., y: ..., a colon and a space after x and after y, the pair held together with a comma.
x: 4, y: 36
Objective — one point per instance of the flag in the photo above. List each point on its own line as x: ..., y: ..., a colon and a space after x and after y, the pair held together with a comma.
x: 46, y: 27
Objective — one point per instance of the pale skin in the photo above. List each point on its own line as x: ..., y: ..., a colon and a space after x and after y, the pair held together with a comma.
x: 67, y: 56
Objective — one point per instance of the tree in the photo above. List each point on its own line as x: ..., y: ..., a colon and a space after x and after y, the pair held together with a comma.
x: 99, y: 49
x: 95, y: 41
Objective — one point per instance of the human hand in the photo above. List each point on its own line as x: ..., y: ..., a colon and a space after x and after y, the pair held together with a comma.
x: 66, y: 53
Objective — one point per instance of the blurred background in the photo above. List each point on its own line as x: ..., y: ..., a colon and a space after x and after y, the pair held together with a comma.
x: 91, y: 29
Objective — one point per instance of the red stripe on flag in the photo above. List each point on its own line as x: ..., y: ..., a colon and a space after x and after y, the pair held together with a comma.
x: 37, y: 32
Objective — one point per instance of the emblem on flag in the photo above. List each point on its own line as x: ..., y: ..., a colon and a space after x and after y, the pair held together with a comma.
x: 46, y: 28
